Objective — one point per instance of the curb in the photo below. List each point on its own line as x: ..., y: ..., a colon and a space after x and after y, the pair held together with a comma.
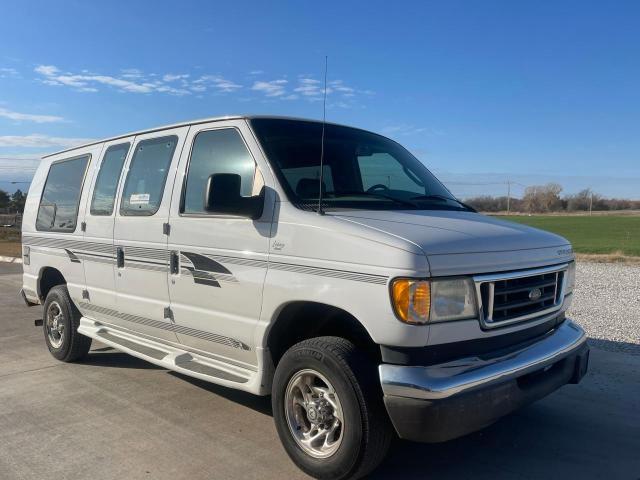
x: 10, y: 259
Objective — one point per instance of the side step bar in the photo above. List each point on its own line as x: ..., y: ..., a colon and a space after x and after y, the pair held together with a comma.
x: 170, y: 357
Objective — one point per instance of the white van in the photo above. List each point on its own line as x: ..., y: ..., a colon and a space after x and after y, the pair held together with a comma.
x: 385, y: 307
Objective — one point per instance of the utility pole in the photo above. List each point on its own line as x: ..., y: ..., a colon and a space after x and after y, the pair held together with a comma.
x: 508, y: 196
x: 591, y: 203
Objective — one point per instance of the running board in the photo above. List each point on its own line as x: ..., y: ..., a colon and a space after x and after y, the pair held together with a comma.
x: 171, y: 357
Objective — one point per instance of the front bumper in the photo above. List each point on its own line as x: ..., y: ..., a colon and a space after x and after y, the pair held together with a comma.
x: 445, y: 401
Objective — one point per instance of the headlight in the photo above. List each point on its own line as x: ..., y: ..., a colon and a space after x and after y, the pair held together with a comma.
x: 571, y: 278
x: 420, y: 301
x: 453, y: 299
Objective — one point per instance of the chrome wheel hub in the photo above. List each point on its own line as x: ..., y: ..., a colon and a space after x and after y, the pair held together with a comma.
x: 54, y: 324
x: 314, y: 413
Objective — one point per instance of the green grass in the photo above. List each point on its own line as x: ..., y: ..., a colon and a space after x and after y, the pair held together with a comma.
x: 607, y: 234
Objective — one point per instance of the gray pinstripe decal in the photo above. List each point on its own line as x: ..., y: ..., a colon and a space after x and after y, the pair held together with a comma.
x: 327, y: 272
x: 172, y: 327
x: 155, y: 259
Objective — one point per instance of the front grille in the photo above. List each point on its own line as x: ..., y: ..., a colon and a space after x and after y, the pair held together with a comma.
x: 519, y: 296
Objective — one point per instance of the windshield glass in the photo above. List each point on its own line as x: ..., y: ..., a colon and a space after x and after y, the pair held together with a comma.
x: 361, y: 169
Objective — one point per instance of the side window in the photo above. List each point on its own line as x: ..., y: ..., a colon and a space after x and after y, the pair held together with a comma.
x: 104, y: 192
x: 216, y: 151
x: 147, y: 175
x: 384, y: 169
x: 58, y: 210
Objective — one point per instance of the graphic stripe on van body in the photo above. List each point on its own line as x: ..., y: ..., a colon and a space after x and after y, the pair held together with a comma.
x: 172, y: 327
x: 206, y: 269
x: 328, y: 272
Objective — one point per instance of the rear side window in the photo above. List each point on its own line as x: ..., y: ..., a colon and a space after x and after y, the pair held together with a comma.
x: 147, y: 175
x: 216, y: 151
x: 58, y: 210
x: 104, y: 192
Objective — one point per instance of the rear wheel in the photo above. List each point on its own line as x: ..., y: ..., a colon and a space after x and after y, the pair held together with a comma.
x: 60, y: 324
x: 328, y: 410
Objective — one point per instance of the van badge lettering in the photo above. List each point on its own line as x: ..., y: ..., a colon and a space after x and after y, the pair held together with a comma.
x: 278, y: 245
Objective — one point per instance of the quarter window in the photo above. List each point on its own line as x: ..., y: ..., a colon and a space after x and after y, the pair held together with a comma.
x: 216, y: 151
x: 104, y: 192
x: 58, y: 210
x: 147, y: 176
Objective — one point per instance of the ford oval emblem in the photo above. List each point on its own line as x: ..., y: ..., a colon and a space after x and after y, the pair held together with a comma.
x: 535, y: 294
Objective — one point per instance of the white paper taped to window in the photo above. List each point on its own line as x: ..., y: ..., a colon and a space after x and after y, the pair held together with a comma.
x: 139, y: 199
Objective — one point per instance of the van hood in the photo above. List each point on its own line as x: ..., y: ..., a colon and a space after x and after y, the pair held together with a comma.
x: 478, y: 239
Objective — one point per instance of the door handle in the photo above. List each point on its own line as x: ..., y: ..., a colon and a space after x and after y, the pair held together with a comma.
x: 120, y: 257
x: 174, y: 263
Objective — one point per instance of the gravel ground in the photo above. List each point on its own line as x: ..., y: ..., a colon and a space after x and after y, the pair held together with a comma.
x: 607, y: 305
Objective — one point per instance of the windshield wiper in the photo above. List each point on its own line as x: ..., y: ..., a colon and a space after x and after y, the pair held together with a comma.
x: 375, y: 195
x: 444, y: 199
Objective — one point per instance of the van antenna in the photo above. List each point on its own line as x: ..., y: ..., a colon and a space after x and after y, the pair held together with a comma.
x: 324, y: 120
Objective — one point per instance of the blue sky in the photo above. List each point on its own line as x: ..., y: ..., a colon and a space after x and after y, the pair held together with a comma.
x: 482, y: 92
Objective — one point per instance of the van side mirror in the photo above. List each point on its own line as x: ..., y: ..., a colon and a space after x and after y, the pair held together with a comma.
x: 222, y: 195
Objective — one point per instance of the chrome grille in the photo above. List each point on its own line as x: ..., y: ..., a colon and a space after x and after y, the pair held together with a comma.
x: 518, y: 296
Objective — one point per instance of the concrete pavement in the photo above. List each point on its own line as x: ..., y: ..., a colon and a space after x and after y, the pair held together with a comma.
x: 115, y: 417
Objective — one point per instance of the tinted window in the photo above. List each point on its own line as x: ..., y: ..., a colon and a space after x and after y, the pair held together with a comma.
x: 147, y: 175
x: 61, y: 195
x: 216, y: 151
x: 104, y: 193
x: 361, y: 169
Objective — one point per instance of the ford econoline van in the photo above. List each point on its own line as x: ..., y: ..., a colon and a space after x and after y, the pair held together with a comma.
x: 320, y: 264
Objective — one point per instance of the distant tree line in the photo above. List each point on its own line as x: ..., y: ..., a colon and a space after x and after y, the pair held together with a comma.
x: 12, y: 203
x: 548, y: 198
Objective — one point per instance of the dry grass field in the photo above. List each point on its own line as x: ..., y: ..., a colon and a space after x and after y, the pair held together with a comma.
x: 10, y: 242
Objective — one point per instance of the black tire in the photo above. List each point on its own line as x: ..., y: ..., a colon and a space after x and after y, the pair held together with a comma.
x: 353, y: 375
x: 74, y: 346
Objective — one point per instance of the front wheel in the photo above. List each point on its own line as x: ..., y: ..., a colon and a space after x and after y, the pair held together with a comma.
x: 328, y: 410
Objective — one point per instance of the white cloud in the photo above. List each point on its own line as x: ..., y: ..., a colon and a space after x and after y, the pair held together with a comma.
x: 36, y: 140
x: 47, y: 70
x: 132, y: 81
x: 131, y: 73
x: 172, y: 78
x: 135, y: 81
x: 310, y: 87
x: 16, y: 164
x: 272, y: 88
x: 29, y: 117
x: 215, y: 82
x: 7, y: 72
x: 313, y: 90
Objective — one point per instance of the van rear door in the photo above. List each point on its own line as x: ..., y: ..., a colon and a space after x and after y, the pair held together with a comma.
x: 140, y: 239
x: 52, y: 229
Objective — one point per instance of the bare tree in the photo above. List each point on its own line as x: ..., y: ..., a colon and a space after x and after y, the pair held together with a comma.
x: 542, y: 198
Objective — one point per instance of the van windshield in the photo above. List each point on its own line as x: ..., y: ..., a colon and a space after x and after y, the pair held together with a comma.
x: 361, y: 170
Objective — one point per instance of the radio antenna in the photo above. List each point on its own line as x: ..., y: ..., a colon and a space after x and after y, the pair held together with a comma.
x: 324, y: 121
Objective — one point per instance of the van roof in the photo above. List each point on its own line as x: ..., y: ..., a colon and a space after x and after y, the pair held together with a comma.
x: 182, y: 124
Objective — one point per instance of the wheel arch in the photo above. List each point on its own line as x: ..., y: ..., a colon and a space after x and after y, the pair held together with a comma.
x: 49, y: 277
x: 296, y: 321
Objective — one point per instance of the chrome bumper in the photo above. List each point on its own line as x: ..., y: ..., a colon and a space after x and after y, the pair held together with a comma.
x: 442, y: 381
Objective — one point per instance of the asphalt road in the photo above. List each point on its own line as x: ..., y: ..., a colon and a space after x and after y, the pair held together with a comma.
x: 115, y: 417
